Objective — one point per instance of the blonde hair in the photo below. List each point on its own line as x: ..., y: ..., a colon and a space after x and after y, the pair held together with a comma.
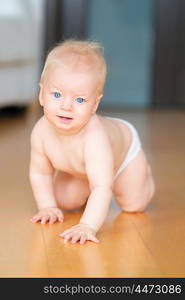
x: 86, y: 53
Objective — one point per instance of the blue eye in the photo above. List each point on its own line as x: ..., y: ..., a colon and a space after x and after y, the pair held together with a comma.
x: 79, y: 100
x: 57, y: 95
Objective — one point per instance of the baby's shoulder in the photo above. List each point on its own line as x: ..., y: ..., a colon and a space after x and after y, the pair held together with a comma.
x: 39, y: 126
x: 95, y: 124
x: 37, y: 132
x: 96, y: 129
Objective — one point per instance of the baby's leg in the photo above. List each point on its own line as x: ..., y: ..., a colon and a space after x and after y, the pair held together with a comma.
x: 134, y: 187
x: 70, y: 192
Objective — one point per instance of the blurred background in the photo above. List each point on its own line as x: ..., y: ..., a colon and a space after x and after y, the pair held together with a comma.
x: 144, y: 45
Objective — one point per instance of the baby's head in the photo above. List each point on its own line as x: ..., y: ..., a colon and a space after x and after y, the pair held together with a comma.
x: 78, y: 56
x: 73, y: 79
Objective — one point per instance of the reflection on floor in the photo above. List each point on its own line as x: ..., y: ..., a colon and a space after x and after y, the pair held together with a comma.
x: 149, y: 244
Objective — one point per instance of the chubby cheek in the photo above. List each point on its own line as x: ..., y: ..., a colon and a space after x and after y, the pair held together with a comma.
x: 82, y: 117
x: 85, y: 111
x: 49, y: 110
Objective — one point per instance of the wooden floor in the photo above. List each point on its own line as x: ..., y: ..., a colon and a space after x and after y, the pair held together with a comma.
x: 150, y: 244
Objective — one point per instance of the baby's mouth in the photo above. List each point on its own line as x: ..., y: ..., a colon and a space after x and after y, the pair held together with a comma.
x: 65, y: 119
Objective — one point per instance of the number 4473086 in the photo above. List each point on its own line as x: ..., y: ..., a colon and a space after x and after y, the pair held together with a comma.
x: 158, y: 289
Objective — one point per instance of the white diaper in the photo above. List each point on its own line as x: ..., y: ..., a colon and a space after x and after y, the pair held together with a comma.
x: 134, y: 147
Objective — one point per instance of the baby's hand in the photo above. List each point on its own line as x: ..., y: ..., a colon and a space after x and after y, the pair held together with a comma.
x: 81, y: 233
x: 50, y: 214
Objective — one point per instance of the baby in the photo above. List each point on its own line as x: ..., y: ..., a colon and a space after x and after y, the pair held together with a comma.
x: 77, y: 156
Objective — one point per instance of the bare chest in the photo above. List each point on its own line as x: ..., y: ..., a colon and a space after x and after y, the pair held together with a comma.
x: 67, y: 157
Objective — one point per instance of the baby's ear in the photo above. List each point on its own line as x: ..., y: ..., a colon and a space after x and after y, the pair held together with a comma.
x: 41, y: 94
x: 99, y: 97
x: 97, y: 103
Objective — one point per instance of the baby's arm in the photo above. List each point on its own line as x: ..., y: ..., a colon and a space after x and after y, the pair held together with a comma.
x: 99, y: 167
x: 41, y: 179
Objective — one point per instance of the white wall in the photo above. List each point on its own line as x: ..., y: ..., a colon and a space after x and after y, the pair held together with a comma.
x: 21, y: 34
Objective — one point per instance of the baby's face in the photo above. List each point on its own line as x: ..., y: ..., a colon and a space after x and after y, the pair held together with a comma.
x: 69, y: 99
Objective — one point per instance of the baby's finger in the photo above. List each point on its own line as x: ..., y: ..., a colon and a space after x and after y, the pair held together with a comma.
x: 44, y: 219
x: 65, y: 232
x: 82, y: 240
x: 60, y: 218
x: 93, y: 238
x: 52, y: 219
x: 75, y: 238
x: 68, y: 236
x: 35, y: 219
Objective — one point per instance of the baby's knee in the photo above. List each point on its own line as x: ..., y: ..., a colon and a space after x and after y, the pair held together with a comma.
x: 137, y: 200
x: 71, y: 201
x: 134, y: 207
x: 71, y: 204
x: 134, y: 204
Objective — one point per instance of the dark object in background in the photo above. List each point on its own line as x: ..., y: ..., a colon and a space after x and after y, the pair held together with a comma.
x: 12, y: 111
x: 65, y: 19
x: 169, y: 54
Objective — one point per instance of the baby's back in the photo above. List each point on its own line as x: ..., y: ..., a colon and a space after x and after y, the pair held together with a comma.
x: 119, y: 136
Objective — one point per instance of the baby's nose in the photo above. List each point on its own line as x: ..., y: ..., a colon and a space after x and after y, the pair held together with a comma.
x: 66, y: 104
